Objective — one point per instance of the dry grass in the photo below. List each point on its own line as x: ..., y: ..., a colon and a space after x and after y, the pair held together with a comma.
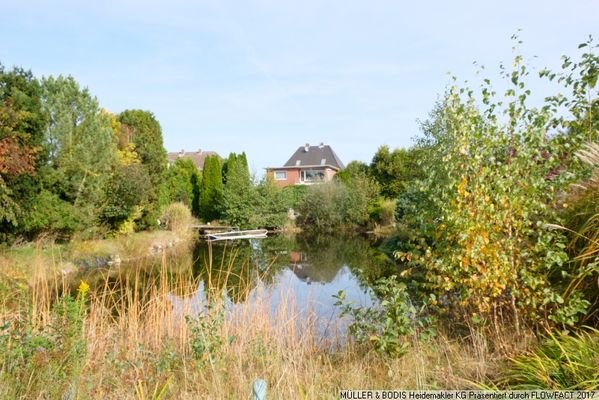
x: 139, y: 345
x: 131, y: 247
x: 45, y: 259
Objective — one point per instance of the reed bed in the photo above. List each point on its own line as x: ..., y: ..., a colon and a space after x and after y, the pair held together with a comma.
x: 159, y: 332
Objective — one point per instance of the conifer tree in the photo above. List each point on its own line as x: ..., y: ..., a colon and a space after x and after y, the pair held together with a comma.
x: 211, y: 189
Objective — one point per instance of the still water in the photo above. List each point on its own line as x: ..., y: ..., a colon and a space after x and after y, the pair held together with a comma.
x: 300, y: 272
x: 304, y: 271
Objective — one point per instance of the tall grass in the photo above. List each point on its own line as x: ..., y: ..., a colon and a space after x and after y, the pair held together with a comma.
x: 583, y: 226
x: 562, y: 362
x: 151, y: 333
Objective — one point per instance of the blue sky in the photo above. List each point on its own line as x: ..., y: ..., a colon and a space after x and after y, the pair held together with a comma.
x: 268, y: 76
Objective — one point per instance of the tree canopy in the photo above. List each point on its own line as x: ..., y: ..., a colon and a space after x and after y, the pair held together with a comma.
x: 143, y: 130
x: 22, y: 126
x: 81, y: 149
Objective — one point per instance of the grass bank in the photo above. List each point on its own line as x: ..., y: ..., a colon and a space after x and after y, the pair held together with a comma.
x: 141, y: 337
x: 45, y: 259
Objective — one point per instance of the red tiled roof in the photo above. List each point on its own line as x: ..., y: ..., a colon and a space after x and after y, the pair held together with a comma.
x: 198, y: 157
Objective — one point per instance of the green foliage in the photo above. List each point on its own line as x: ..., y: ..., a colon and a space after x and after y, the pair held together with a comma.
x: 22, y: 126
x: 562, y: 362
x: 394, y: 170
x: 494, y: 174
x: 206, y: 336
x: 145, y: 133
x: 34, y: 355
x: 581, y: 210
x: 80, y: 144
x: 389, y: 326
x: 251, y: 206
x: 382, y: 211
x: 64, y: 162
x: 181, y: 183
x: 129, y: 225
x: 320, y: 211
x: 20, y: 108
x: 238, y: 203
x: 127, y: 191
x: 49, y: 213
x: 123, y: 137
x: 333, y: 205
x: 351, y: 170
x: 271, y: 205
x: 211, y: 189
x: 295, y: 195
x: 361, y: 193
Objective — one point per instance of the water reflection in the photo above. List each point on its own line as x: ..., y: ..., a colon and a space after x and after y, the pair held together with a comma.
x: 279, y: 271
x: 240, y: 265
x: 307, y: 272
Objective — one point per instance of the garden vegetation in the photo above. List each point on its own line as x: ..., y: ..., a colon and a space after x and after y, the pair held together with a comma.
x: 495, y: 218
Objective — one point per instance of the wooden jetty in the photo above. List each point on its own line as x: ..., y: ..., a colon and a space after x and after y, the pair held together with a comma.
x: 233, y: 235
x: 205, y: 229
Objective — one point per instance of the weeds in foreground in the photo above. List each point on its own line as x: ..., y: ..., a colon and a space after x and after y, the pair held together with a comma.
x: 562, y: 362
x: 45, y: 359
x: 157, y: 334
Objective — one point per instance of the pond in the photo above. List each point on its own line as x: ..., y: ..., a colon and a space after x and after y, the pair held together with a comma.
x: 279, y: 271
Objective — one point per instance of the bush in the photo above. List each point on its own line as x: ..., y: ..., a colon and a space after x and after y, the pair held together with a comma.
x: 128, y: 192
x: 295, y: 195
x: 388, y: 326
x: 322, y: 208
x: 176, y: 217
x: 335, y: 204
x: 270, y: 206
x: 382, y: 211
x: 486, y: 211
x: 582, y: 221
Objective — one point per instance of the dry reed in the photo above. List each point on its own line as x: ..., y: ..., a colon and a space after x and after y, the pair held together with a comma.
x: 139, y: 343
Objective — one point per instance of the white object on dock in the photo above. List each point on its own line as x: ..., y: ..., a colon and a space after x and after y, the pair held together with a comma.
x: 232, y: 235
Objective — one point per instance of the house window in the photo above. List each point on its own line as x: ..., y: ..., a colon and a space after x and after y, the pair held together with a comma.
x: 310, y: 175
x: 281, y: 175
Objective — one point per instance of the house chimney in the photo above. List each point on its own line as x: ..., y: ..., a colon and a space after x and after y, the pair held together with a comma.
x: 199, y: 151
x: 182, y: 153
x: 307, y: 147
x: 321, y: 145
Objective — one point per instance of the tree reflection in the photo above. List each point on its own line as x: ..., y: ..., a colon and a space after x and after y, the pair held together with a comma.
x: 237, y: 267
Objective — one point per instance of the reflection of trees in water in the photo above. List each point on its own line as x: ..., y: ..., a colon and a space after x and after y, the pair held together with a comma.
x: 321, y: 259
x: 311, y: 258
x: 323, y: 256
x: 367, y: 261
x: 235, y: 267
x: 230, y: 266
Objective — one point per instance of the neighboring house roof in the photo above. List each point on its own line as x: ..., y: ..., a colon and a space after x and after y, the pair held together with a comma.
x: 198, y: 157
x: 312, y: 156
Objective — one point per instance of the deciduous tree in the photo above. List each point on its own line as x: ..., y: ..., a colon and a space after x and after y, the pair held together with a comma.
x: 81, y: 150
x: 21, y: 144
x: 143, y: 130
